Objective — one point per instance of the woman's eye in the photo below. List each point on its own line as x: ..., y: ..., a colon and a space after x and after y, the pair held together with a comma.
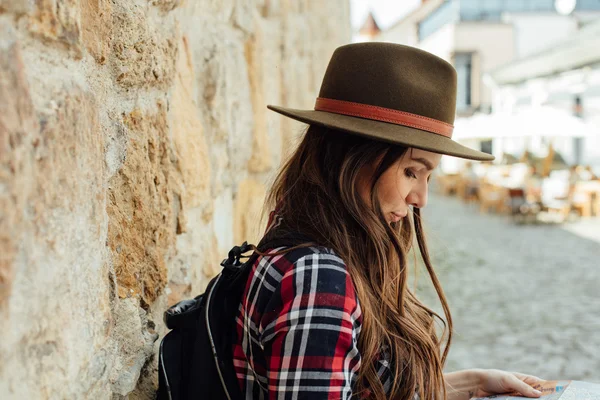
x: 410, y: 174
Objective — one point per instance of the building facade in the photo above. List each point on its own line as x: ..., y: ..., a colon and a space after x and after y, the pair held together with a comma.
x: 478, y: 36
x: 566, y: 78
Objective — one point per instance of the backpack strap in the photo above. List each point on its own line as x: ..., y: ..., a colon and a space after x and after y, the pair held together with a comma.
x: 233, y: 259
x: 270, y: 241
x: 205, y: 326
x: 222, y: 304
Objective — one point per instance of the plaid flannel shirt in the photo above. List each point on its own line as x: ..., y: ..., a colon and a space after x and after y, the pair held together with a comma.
x: 298, y: 327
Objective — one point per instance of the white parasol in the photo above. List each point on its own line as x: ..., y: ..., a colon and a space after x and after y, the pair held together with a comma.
x: 543, y: 121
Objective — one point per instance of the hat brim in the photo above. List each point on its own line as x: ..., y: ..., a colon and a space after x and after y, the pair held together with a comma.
x: 397, y: 134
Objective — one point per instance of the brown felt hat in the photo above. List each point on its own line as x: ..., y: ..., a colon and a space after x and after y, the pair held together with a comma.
x: 389, y: 92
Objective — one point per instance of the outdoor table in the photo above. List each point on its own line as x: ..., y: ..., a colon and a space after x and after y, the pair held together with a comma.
x: 591, y: 189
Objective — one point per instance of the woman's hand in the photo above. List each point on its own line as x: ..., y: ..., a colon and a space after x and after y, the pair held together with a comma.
x: 466, y: 384
x: 493, y: 381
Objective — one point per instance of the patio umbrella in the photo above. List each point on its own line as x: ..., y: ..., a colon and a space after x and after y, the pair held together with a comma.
x: 543, y: 121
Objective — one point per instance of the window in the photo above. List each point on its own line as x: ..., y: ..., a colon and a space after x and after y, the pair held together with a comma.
x: 476, y: 10
x: 486, y: 146
x: 463, y: 63
x: 443, y: 15
x: 516, y: 5
x: 588, y: 5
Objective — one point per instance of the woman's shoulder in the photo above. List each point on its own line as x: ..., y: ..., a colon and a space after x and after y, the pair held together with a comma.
x: 305, y: 278
x: 303, y: 271
x: 303, y: 258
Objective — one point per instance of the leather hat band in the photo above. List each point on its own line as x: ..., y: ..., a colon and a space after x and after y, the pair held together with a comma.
x: 384, y: 114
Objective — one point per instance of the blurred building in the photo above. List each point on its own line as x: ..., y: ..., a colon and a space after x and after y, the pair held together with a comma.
x: 565, y: 78
x: 480, y: 35
x: 369, y: 30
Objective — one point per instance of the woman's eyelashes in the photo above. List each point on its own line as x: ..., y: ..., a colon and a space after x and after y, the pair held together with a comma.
x: 410, y: 174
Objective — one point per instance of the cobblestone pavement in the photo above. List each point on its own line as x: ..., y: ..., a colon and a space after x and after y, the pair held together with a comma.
x: 523, y: 298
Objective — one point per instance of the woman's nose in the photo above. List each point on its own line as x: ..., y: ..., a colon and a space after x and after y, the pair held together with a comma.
x: 418, y: 196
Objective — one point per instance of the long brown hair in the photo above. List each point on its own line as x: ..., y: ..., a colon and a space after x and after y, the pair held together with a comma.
x: 316, y: 193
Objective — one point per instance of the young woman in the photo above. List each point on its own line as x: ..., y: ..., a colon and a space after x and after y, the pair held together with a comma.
x: 330, y: 315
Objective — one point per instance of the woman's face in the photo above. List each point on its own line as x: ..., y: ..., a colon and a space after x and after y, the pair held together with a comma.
x: 402, y: 185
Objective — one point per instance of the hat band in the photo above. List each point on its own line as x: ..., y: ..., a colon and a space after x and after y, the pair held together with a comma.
x: 384, y: 114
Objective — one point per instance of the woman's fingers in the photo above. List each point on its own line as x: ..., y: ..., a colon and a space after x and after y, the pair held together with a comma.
x: 522, y: 384
x: 531, y: 380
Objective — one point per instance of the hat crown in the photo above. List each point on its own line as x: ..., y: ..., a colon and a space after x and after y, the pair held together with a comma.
x: 392, y: 76
x: 389, y: 92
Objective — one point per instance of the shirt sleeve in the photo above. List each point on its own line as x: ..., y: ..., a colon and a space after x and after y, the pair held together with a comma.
x: 310, y: 331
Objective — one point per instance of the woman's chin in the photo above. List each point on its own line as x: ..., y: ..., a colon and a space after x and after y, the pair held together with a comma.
x: 394, y: 218
x: 395, y: 222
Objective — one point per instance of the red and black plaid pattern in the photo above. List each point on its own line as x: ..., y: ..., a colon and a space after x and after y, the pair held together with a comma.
x: 298, y: 328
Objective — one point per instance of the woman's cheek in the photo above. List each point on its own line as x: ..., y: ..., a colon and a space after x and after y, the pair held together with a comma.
x: 404, y: 186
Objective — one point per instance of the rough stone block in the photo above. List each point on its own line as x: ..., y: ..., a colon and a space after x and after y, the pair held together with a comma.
x: 295, y: 6
x: 197, y: 258
x: 144, y: 209
x: 235, y: 13
x: 212, y: 260
x: 242, y: 15
x: 96, y: 28
x: 224, y: 221
x: 135, y: 343
x: 264, y: 59
x: 57, y: 20
x: 166, y: 5
x: 188, y: 133
x: 300, y: 90
x: 269, y: 8
x: 17, y: 7
x: 248, y: 211
x: 143, y: 54
x: 224, y: 98
x: 58, y: 294
x: 19, y: 131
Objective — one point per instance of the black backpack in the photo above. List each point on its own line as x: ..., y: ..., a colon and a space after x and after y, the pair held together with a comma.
x: 196, y: 356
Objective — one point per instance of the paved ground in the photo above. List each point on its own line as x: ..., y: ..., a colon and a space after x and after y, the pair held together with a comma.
x: 524, y: 298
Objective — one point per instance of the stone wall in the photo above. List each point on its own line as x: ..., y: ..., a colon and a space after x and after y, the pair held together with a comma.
x: 135, y: 150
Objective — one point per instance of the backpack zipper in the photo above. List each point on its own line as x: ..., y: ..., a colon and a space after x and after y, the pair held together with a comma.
x: 164, y: 371
x: 210, y: 337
